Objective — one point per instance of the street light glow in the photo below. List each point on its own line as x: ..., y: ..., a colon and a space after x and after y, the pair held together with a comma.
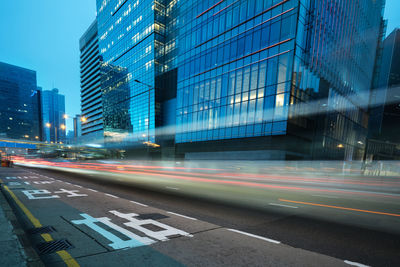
x: 48, y: 125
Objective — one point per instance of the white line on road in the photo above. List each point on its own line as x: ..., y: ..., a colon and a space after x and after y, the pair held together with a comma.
x: 172, y: 188
x: 77, y: 185
x: 256, y: 236
x: 67, y: 183
x: 281, y: 205
x: 59, y: 181
x: 177, y: 214
x: 110, y: 195
x: 92, y: 190
x: 140, y: 204
x: 324, y: 196
x: 355, y: 264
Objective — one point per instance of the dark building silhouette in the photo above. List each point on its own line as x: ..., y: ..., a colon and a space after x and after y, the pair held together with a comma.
x: 20, y: 109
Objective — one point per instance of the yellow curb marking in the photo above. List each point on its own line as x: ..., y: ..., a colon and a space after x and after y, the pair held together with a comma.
x: 64, y: 255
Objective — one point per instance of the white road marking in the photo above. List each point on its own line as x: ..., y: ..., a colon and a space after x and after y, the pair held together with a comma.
x: 110, y: 195
x: 140, y: 204
x: 77, y: 185
x: 177, y: 214
x: 59, y: 181
x: 172, y: 188
x: 355, y: 264
x: 281, y: 205
x: 67, y: 183
x: 324, y: 196
x: 71, y: 193
x: 92, y: 190
x: 32, y: 194
x: 255, y: 236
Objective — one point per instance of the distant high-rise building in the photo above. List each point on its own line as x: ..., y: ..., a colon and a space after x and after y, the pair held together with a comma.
x: 387, y: 113
x: 77, y: 126
x: 20, y: 103
x: 91, y: 98
x: 246, y: 79
x: 53, y: 110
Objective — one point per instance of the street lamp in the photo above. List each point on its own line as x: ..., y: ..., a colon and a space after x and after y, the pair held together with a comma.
x: 62, y: 127
x: 148, y: 116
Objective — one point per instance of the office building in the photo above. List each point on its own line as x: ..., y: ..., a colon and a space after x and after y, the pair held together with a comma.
x: 20, y: 111
x: 91, y: 98
x: 247, y: 79
x: 53, y: 116
x: 77, y: 126
x: 390, y: 82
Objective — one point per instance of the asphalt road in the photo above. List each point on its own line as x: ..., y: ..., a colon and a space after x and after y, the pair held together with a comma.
x: 194, y: 221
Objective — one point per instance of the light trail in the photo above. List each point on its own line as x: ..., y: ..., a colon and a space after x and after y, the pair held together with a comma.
x: 338, y: 207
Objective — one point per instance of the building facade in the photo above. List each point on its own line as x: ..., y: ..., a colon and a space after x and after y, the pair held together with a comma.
x: 53, y: 116
x: 20, y: 111
x: 387, y: 110
x: 246, y: 79
x: 282, y: 79
x: 91, y: 98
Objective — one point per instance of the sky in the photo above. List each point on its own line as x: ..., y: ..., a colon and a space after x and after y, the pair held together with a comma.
x: 43, y: 35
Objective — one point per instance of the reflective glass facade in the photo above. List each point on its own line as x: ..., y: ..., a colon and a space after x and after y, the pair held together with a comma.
x: 234, y: 69
x: 20, y: 118
x: 53, y: 111
x: 281, y: 75
x: 131, y: 43
x: 277, y: 68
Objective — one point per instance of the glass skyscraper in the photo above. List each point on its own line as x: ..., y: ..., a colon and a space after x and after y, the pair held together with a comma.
x: 53, y: 116
x: 286, y: 77
x: 279, y: 79
x: 20, y: 103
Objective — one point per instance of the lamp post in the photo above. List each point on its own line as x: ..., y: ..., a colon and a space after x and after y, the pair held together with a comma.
x: 148, y: 118
x: 62, y: 127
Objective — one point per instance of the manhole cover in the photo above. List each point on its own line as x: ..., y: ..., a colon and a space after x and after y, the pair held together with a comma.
x: 53, y: 246
x: 41, y: 230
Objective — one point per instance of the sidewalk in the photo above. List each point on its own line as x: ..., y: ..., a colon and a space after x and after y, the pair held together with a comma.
x: 15, y: 249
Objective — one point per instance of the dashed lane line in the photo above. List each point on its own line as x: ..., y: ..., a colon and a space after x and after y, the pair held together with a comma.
x: 138, y: 203
x: 184, y: 216
x: 92, y: 190
x: 355, y: 263
x: 77, y: 185
x: 256, y: 236
x: 172, y: 188
x: 110, y: 195
x: 281, y: 205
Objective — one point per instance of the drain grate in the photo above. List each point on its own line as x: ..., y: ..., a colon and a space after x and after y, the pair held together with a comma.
x: 153, y: 216
x: 41, y: 230
x: 53, y: 246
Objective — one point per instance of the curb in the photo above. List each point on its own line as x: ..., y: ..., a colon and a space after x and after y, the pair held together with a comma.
x: 31, y: 258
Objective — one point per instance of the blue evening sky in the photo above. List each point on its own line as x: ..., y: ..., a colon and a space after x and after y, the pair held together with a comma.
x: 43, y: 35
